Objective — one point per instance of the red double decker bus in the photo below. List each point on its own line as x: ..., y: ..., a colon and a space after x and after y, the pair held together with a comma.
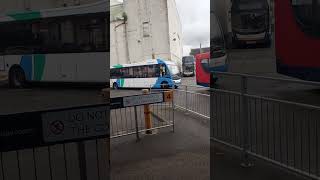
x: 216, y: 60
x: 297, y: 38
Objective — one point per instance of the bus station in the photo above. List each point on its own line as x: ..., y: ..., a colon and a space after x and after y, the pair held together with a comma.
x: 76, y: 107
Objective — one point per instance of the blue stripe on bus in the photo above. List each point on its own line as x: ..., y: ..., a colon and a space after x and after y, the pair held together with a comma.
x: 203, y: 84
x: 118, y: 82
x: 26, y: 64
x: 223, y: 68
x: 160, y: 61
x: 160, y: 80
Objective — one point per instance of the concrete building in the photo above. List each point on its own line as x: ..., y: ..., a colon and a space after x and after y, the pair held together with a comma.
x: 145, y: 29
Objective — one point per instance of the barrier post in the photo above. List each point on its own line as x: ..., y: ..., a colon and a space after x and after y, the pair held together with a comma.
x: 147, y: 114
x: 82, y: 161
x: 187, y: 100
x: 173, y: 120
x: 245, y: 124
x: 168, y: 98
x: 136, y: 121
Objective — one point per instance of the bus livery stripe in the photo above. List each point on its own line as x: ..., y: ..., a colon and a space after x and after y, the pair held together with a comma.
x: 26, y: 64
x: 39, y: 63
x: 118, y: 66
x: 120, y: 82
x: 25, y: 15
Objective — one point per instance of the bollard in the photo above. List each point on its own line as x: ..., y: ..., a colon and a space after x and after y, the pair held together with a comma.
x: 147, y: 114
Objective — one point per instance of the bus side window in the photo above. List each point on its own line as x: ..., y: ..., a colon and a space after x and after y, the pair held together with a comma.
x: 157, y: 70
x: 125, y: 72
x: 136, y: 72
x: 130, y: 72
x: 152, y: 71
x: 112, y: 73
x: 144, y: 71
x: 115, y: 73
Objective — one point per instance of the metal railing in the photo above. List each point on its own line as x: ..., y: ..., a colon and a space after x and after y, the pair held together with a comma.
x: 282, y: 132
x: 76, y: 151
x: 132, y: 120
x: 58, y: 162
x: 193, y: 99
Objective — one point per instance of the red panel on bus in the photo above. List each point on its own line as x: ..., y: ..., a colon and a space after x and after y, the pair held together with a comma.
x: 202, y: 76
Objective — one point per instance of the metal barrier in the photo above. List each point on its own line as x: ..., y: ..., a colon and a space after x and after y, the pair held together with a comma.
x: 64, y: 144
x: 193, y: 99
x: 132, y: 119
x: 282, y: 132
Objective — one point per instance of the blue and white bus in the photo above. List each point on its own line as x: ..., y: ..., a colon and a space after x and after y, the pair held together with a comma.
x: 155, y: 73
x: 67, y: 44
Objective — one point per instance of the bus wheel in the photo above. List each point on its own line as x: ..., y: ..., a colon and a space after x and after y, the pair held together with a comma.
x: 115, y: 86
x: 17, y: 78
x: 164, y: 85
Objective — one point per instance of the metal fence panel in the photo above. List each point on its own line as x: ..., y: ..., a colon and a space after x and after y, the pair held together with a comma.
x: 281, y: 132
x: 57, y: 162
x: 193, y: 99
x: 131, y: 120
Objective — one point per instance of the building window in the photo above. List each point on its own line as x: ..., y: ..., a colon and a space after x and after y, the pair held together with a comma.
x: 146, y: 29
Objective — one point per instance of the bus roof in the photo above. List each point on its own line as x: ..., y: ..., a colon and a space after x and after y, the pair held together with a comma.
x: 97, y: 7
x: 205, y: 55
x: 147, y: 62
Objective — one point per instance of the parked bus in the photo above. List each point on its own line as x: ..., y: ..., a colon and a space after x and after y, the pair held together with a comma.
x: 297, y: 35
x: 155, y: 73
x: 216, y: 60
x: 188, y: 66
x: 250, y: 21
x: 69, y: 44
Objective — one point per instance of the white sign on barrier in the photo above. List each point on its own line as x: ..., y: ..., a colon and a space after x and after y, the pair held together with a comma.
x: 75, y: 124
x: 142, y: 100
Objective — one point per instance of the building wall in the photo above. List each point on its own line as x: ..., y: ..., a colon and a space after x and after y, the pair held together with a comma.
x: 148, y: 32
x: 175, y: 33
x: 147, y: 29
x: 118, y: 46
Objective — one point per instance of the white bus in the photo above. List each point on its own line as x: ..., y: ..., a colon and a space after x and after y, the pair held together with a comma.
x: 154, y: 73
x: 69, y: 44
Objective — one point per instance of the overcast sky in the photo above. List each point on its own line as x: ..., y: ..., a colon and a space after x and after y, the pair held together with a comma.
x: 195, y: 20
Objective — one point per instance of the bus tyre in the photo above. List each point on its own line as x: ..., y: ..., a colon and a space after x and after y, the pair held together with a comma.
x: 17, y: 78
x: 115, y: 86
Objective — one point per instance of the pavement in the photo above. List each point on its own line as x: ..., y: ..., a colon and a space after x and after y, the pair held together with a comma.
x: 183, y: 154
x: 226, y: 166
